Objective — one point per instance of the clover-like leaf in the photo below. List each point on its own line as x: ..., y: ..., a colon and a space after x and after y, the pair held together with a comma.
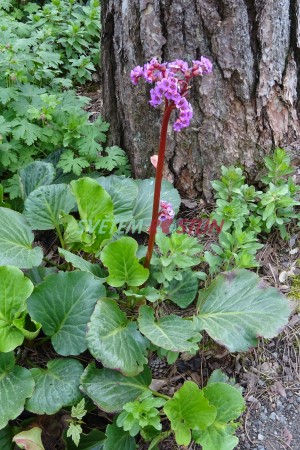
x: 30, y: 439
x: 229, y: 404
x: 237, y: 308
x: 189, y: 410
x: 63, y: 304
x: 56, y: 386
x: 45, y: 205
x: 170, y: 332
x: 123, y: 265
x: 15, y: 288
x: 114, y: 340
x: 16, y: 241
x: 16, y: 384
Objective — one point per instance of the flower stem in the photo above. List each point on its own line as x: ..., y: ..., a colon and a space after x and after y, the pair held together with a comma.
x: 158, y: 180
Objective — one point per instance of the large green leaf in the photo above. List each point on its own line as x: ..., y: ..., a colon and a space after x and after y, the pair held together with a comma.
x: 114, y: 340
x: 15, y: 288
x: 34, y: 175
x: 92, y: 441
x: 189, y: 410
x: 183, y: 292
x: 123, y: 265
x: 16, y: 240
x: 229, y: 404
x: 16, y: 384
x: 63, y: 304
x: 118, y: 439
x: 110, y: 390
x: 238, y: 307
x: 170, y: 332
x: 46, y: 204
x: 55, y: 387
x: 123, y: 192
x: 30, y: 439
x: 96, y: 211
x: 142, y: 208
x: 82, y: 264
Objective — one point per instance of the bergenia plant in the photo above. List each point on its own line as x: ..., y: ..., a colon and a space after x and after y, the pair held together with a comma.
x: 172, y: 84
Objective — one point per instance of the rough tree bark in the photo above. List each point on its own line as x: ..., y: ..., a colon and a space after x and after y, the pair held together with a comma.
x: 247, y: 106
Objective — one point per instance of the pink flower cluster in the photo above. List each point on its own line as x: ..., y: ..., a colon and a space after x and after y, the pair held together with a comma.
x: 166, y: 211
x: 172, y: 84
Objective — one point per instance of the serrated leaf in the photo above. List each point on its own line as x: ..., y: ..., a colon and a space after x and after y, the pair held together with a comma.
x: 29, y: 132
x: 69, y: 163
x: 116, y: 158
x: 229, y: 404
x: 15, y: 288
x: 30, y: 439
x: 46, y: 204
x: 189, y: 410
x: 16, y: 241
x: 170, y: 332
x: 123, y: 265
x: 123, y: 192
x: 16, y: 384
x: 118, y: 439
x: 237, y: 308
x: 78, y: 410
x: 74, y: 431
x: 183, y: 292
x: 63, y: 304
x: 55, y: 387
x: 114, y: 340
x: 34, y: 175
x: 110, y: 390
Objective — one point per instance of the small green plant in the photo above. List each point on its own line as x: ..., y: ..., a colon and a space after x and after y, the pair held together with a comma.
x: 247, y: 212
x: 77, y: 413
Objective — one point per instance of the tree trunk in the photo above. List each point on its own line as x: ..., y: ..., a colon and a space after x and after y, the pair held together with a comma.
x: 247, y: 106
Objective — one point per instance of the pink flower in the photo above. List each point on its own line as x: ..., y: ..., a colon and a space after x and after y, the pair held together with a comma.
x: 154, y: 159
x: 172, y: 84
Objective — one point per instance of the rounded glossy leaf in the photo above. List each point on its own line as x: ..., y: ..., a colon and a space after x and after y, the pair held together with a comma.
x: 123, y: 265
x: 16, y: 240
x: 170, y: 332
x: 34, y: 175
x: 114, y: 340
x: 45, y: 205
x: 183, y: 292
x: 16, y: 384
x: 15, y: 288
x: 55, y: 387
x: 110, y: 390
x: 118, y: 439
x: 123, y: 192
x: 189, y: 410
x: 30, y: 439
x: 63, y: 304
x: 237, y: 308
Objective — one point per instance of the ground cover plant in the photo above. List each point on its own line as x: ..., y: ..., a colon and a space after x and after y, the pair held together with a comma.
x: 99, y: 302
x: 44, y: 52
